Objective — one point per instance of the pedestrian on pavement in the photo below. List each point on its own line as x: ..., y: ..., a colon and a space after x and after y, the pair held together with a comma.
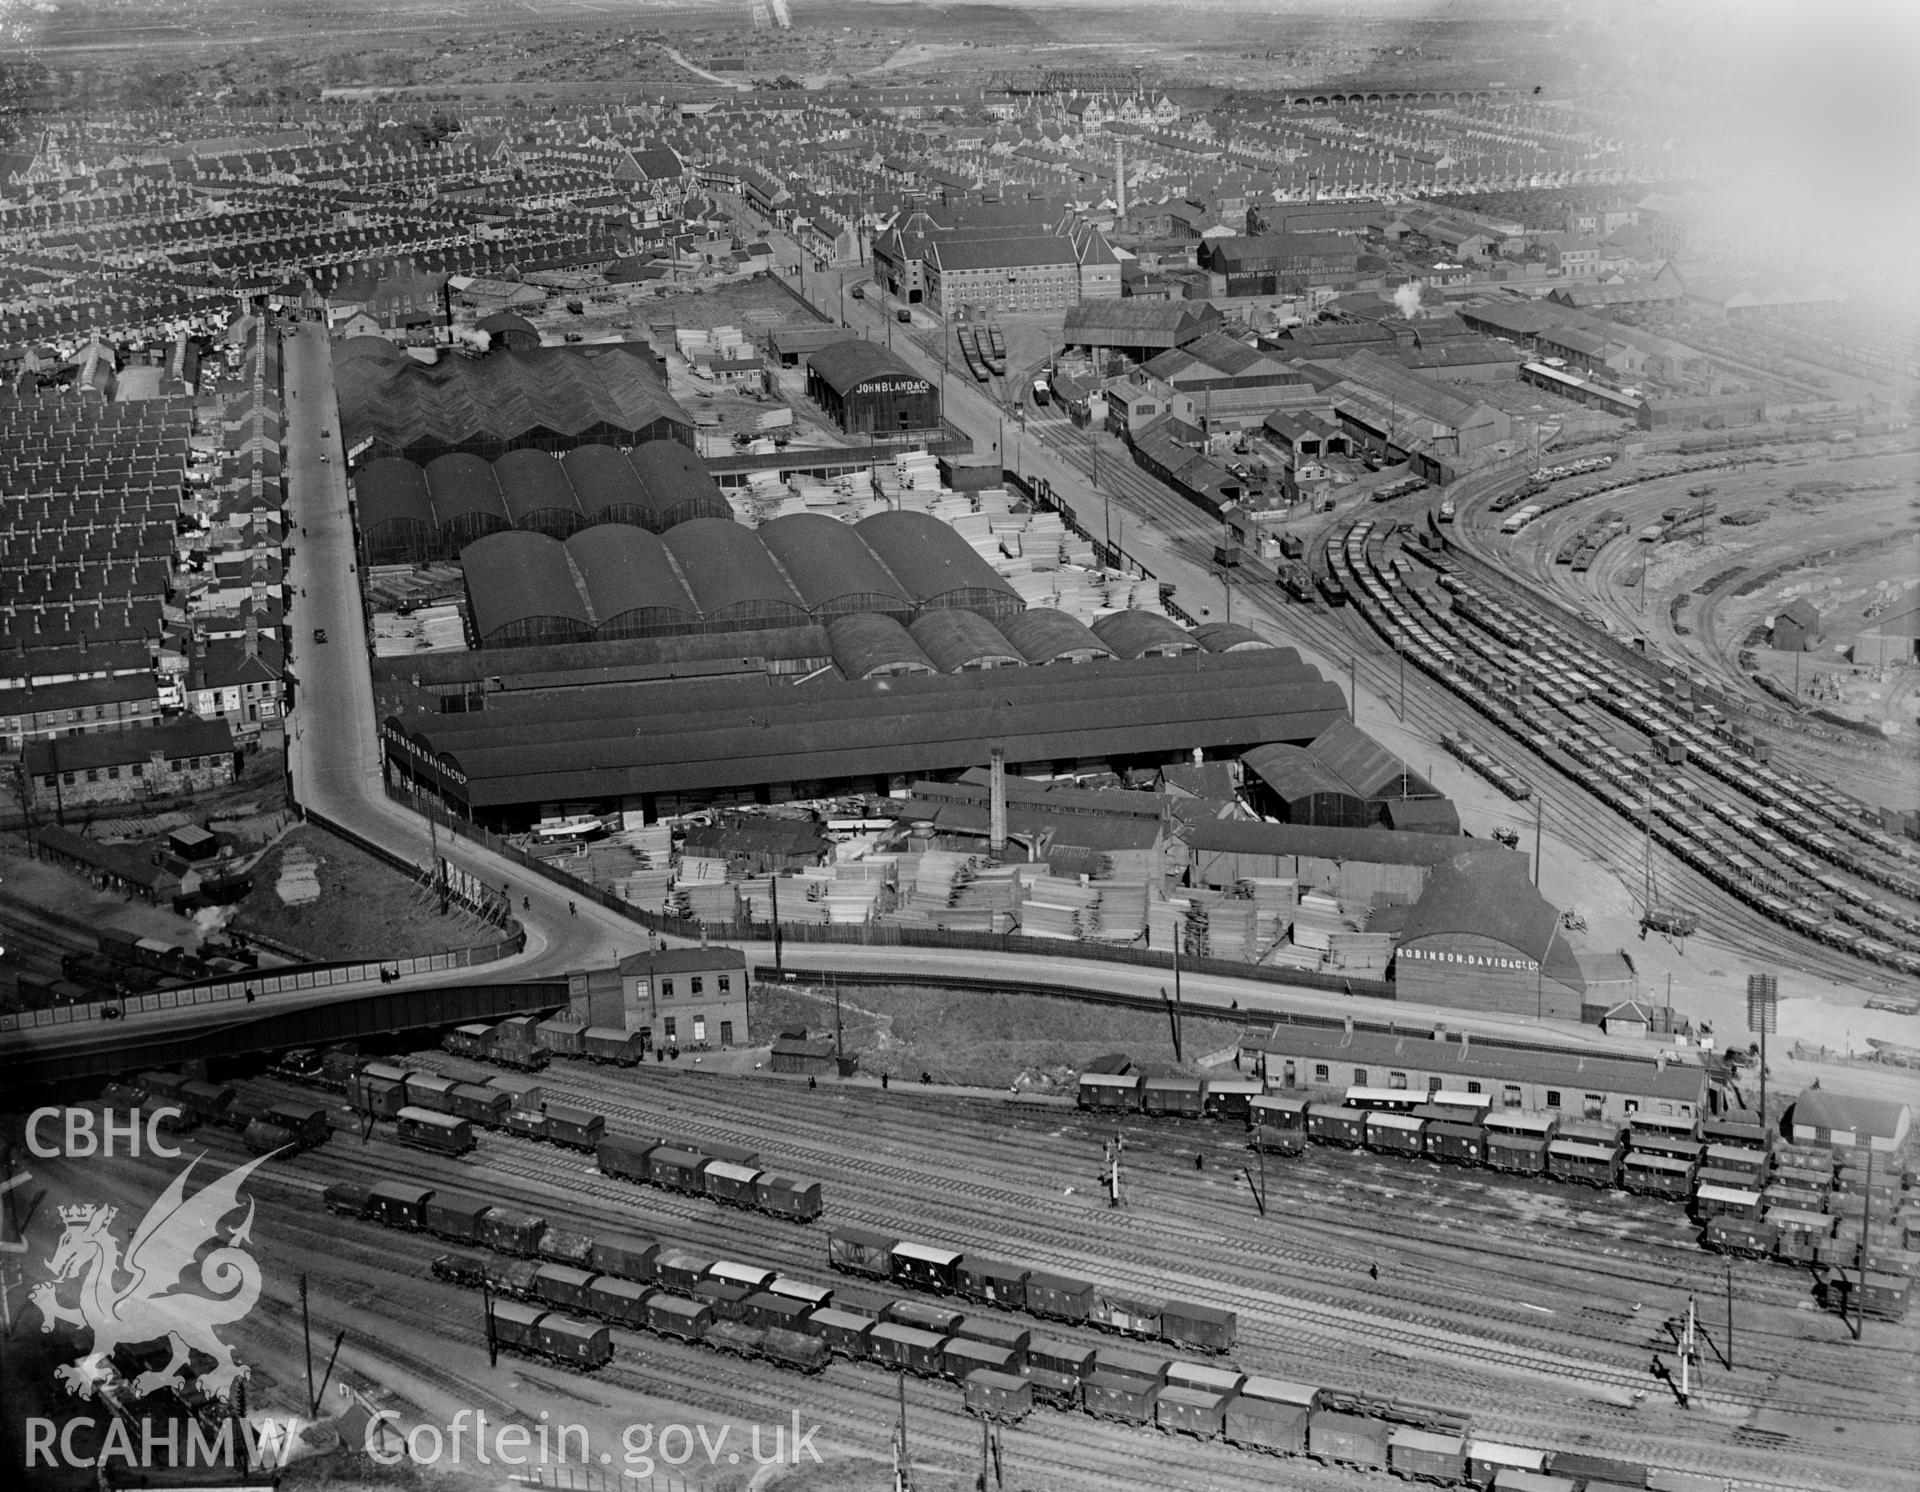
x: 1200, y: 1162
x: 1373, y: 1271
x: 812, y: 1082
x: 883, y: 1082
x: 572, y: 910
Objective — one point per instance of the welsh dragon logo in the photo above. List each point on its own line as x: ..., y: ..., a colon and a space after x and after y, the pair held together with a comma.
x: 144, y: 1295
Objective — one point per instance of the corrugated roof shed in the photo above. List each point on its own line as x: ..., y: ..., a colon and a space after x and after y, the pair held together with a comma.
x: 518, y: 577
x: 1369, y: 846
x: 866, y: 644
x: 1133, y: 634
x: 1044, y: 635
x: 729, y: 570
x: 957, y: 640
x: 1492, y: 897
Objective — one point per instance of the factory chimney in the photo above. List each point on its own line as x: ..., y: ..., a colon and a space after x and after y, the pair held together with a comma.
x: 997, y: 802
x: 1120, y: 181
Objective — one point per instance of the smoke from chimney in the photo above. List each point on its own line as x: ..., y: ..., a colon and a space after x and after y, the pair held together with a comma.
x: 1407, y: 298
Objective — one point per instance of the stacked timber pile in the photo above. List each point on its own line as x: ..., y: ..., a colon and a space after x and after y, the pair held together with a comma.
x: 1056, y: 908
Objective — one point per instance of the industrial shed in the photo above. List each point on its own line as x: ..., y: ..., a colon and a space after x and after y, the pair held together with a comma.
x: 632, y: 586
x: 939, y: 569
x: 1354, y: 864
x: 672, y: 746
x: 513, y: 332
x: 606, y: 487
x: 1228, y: 637
x: 466, y: 499
x: 1044, y: 635
x: 867, y: 646
x: 397, y: 524
x: 521, y: 592
x: 963, y: 641
x: 1482, y: 938
x: 832, y: 567
x: 678, y: 486
x: 1144, y: 634
x: 734, y: 581
x: 1291, y: 784
x: 537, y: 493
x: 867, y: 389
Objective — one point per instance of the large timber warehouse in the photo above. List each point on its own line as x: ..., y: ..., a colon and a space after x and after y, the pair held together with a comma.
x: 866, y: 389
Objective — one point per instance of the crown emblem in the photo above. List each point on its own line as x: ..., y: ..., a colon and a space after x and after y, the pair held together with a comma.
x: 85, y: 1213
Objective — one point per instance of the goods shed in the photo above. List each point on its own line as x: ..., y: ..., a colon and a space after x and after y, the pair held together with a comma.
x: 734, y: 581
x: 466, y: 499
x: 537, y: 494
x: 1046, y: 636
x: 513, y: 332
x: 632, y: 586
x: 869, y: 646
x: 1482, y: 938
x: 607, y: 488
x: 963, y: 641
x: 396, y: 516
x: 678, y: 487
x: 1291, y: 784
x: 866, y: 389
x: 1144, y: 634
x: 832, y: 567
x: 521, y: 592
x: 938, y: 569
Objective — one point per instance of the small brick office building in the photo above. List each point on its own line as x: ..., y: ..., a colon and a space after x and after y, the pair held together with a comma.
x: 685, y: 996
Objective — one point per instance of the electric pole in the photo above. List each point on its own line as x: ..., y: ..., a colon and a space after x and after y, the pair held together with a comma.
x: 306, y: 1334
x: 1763, y: 1015
x: 902, y: 1463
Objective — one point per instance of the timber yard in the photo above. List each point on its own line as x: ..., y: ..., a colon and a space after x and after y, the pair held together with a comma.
x: 854, y: 746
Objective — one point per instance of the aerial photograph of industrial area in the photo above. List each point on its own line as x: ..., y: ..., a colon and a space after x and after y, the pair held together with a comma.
x: 1025, y: 746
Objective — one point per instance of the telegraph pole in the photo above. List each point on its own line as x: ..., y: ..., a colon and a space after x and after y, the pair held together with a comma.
x: 902, y: 1463
x: 1763, y: 1015
x: 1866, y: 1227
x: 306, y: 1333
x: 1729, y: 1313
x: 1539, y: 811
x: 779, y: 967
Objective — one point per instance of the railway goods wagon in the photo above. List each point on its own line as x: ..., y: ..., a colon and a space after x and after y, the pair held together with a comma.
x: 263, y: 1138
x: 677, y: 1170
x: 488, y: 1106
x: 1519, y: 1154
x: 940, y: 1320
x: 730, y: 1184
x: 1396, y: 1134
x: 1387, y: 1100
x: 1057, y: 1369
x: 804, y: 1291
x: 921, y: 1266
x: 564, y: 1246
x: 1206, y: 1327
x: 398, y: 1204
x: 1109, y: 1092
x: 1335, y: 1438
x: 1588, y: 1164
x: 1336, y: 1124
x: 460, y: 1269
x: 575, y: 1128
x: 512, y: 1277
x: 1796, y: 1236
x: 680, y: 1272
x: 1714, y: 1176
x: 794, y: 1349
x: 1533, y: 1481
x: 763, y: 1309
x: 1683, y: 1481
x: 841, y: 1332
x: 429, y: 1090
x: 1455, y: 1144
x: 1735, y: 1129
x: 1882, y: 1296
x: 515, y: 1325
x: 206, y: 1102
x: 1004, y: 1334
x: 1263, y: 1422
x: 1173, y: 1098
x: 307, y: 1123
x: 529, y: 1124
x: 1737, y: 1158
x: 1486, y: 1459
x: 1427, y: 1456
x: 426, y: 1130
x: 1677, y: 1146
x: 612, y: 1044
x: 163, y: 1087
x: 348, y: 1198
x: 509, y: 1231
x: 992, y: 1282
x: 514, y: 1043
x: 963, y: 1355
x: 739, y: 1155
x: 1191, y: 1411
x: 857, y: 1251
x: 1587, y: 1468
x: 563, y: 1286
x: 623, y: 1156
x: 1006, y: 1397
x: 726, y: 1299
x: 1058, y: 1297
x: 670, y: 1316
x: 523, y: 1093
x: 1279, y: 1125
x: 752, y: 1276
x: 1119, y: 1396
x: 623, y: 1302
x: 560, y: 1036
x: 735, y: 1338
x: 1738, y: 1203
x: 1658, y: 1175
x: 1746, y: 1240
x: 381, y: 1097
x: 457, y: 1216
x: 1147, y: 1366
x: 1126, y: 1315
x: 906, y: 1349
x: 1225, y: 1381
x: 1232, y: 1098
x: 582, y: 1345
x: 1646, y: 1126
x: 784, y: 1196
x: 467, y: 1041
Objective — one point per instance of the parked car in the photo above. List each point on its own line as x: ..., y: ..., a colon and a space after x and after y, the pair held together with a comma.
x: 319, y: 634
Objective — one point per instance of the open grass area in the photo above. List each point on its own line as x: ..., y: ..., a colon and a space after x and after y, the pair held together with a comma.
x: 1029, y: 1042
x: 365, y: 909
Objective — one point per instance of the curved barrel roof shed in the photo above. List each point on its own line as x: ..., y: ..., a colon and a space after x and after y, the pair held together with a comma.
x: 939, y: 569
x: 832, y: 567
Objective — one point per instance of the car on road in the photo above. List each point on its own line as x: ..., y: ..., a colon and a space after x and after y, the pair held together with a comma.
x: 903, y: 315
x: 858, y: 292
x: 319, y: 634
x: 325, y: 459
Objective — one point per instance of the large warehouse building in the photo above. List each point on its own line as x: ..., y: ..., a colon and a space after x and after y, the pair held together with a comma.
x: 678, y: 745
x: 865, y: 389
x: 411, y: 514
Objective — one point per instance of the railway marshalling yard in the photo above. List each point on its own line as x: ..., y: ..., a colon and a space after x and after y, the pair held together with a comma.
x: 1533, y: 1308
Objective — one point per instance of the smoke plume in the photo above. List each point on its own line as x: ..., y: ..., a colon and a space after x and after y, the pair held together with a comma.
x: 1407, y: 298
